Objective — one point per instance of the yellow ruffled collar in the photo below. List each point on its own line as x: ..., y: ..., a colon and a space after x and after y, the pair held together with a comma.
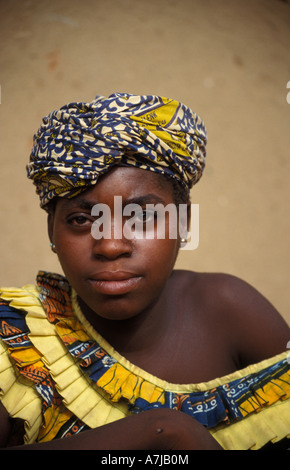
x: 172, y: 387
x: 105, y: 397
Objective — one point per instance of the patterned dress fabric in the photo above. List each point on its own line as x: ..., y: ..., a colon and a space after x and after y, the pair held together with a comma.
x: 215, y: 407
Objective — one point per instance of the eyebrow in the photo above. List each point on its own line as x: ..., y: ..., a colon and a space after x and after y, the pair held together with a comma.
x: 86, y: 204
x: 81, y: 203
x: 145, y: 199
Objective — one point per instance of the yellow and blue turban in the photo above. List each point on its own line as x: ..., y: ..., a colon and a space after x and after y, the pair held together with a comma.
x: 78, y: 143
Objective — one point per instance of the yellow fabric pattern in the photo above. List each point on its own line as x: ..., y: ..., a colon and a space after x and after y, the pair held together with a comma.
x: 158, y: 119
x: 18, y: 396
x: 270, y: 393
x: 119, y: 382
x: 95, y: 406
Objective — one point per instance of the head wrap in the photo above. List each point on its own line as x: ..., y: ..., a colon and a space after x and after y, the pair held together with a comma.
x: 82, y: 141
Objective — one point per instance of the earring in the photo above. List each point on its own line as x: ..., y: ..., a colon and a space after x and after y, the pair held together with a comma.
x: 183, y: 240
x: 53, y: 247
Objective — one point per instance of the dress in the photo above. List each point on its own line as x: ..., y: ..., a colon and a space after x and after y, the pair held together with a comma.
x: 61, y: 377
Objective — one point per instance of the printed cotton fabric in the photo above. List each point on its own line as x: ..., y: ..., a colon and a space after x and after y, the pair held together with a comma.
x: 83, y: 384
x: 82, y: 141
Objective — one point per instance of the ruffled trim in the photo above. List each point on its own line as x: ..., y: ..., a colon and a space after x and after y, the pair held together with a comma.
x: 272, y: 424
x: 172, y: 387
x: 18, y: 395
x: 79, y: 397
x: 28, y: 368
x: 89, y: 388
x: 263, y: 397
x: 79, y: 394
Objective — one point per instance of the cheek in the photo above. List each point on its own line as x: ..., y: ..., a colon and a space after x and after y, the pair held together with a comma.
x: 72, y: 252
x: 159, y: 255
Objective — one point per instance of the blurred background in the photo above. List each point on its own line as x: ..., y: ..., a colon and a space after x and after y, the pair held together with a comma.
x: 229, y: 60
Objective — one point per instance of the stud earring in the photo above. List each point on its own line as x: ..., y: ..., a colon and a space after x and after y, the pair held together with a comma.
x: 53, y: 247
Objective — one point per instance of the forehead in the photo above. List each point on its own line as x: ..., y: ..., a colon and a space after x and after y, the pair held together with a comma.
x: 130, y: 183
x: 133, y: 178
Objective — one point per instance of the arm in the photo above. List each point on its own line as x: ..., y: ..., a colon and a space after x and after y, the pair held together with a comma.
x: 5, y: 427
x: 161, y: 429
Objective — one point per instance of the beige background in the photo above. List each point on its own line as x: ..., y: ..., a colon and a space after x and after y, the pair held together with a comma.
x: 227, y: 59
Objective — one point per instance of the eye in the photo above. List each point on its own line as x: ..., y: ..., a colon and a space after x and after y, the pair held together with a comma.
x: 80, y: 220
x: 145, y: 216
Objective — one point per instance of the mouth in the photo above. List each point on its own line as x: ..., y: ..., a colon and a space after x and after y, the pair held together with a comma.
x: 114, y: 282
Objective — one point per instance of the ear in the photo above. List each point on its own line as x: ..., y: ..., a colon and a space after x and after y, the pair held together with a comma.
x: 184, y: 220
x: 188, y: 215
x: 50, y: 226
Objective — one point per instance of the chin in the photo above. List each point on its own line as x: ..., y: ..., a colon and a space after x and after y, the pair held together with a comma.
x: 116, y: 309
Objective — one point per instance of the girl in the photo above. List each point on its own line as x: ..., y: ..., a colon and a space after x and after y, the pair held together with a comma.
x: 124, y: 352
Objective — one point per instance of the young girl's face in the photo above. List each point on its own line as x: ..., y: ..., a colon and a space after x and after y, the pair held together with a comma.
x: 116, y: 277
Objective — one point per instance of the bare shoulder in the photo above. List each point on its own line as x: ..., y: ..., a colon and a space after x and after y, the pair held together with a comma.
x: 255, y: 327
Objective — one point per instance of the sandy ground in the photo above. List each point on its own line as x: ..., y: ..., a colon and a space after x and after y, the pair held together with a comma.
x: 227, y: 59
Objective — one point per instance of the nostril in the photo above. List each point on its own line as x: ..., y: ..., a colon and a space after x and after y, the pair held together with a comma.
x: 112, y: 248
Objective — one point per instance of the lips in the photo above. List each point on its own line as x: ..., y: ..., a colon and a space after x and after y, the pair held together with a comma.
x: 114, y: 282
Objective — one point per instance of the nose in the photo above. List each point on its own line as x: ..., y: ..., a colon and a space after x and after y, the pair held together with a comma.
x: 111, y: 248
x: 112, y: 245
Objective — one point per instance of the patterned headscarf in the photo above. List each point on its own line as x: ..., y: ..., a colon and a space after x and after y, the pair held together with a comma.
x: 82, y: 141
